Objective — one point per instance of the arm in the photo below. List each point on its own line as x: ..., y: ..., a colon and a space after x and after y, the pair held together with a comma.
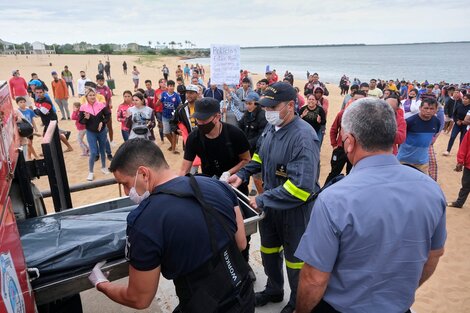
x: 64, y: 85
x: 400, y: 135
x: 322, y: 116
x: 139, y: 292
x: 312, y: 286
x: 106, y: 115
x: 34, y: 125
x: 334, y: 130
x: 430, y: 265
x: 463, y: 150
x: 185, y: 167
x: 244, y: 160
x: 302, y: 170
x: 237, y: 102
x: 240, y: 235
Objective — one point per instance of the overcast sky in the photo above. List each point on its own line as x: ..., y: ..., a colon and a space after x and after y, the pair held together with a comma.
x: 250, y: 23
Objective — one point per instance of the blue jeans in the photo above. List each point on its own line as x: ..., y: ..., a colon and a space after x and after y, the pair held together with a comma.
x: 455, y: 131
x: 97, y: 141
x: 125, y: 134
x: 70, y: 84
x: 320, y: 135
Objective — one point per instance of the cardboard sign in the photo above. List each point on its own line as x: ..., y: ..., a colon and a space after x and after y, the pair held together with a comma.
x: 225, y: 64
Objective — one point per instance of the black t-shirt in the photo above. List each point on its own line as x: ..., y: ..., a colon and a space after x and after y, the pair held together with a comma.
x: 181, y: 90
x: 219, y: 154
x: 312, y: 115
x: 460, y: 111
x: 170, y: 231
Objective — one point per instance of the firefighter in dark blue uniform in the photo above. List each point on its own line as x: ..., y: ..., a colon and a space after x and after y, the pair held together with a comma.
x: 288, y: 158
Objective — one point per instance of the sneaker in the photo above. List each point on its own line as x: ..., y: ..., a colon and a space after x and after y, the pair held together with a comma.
x: 110, y: 157
x: 62, y: 119
x: 446, y: 153
x: 105, y: 171
x: 262, y: 298
x: 253, y: 193
x: 454, y: 205
x: 90, y: 177
x: 112, y: 144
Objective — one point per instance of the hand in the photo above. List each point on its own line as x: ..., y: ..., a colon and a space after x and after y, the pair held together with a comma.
x: 254, y: 205
x: 87, y: 115
x: 100, y: 126
x: 179, y: 132
x: 225, y: 176
x: 304, y: 113
x: 458, y: 167
x: 97, y: 276
x: 234, y: 180
x: 318, y: 119
x: 110, y: 106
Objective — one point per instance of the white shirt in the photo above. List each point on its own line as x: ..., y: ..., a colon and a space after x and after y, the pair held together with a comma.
x: 81, y: 85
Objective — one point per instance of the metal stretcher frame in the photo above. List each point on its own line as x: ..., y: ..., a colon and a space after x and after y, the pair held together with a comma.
x: 68, y: 285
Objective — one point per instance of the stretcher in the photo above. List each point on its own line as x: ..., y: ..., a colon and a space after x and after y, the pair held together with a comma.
x: 61, y: 249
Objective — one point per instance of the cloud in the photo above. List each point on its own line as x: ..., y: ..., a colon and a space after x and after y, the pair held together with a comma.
x: 249, y: 23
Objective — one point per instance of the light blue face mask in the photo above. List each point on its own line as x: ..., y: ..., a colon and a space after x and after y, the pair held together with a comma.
x: 134, y: 195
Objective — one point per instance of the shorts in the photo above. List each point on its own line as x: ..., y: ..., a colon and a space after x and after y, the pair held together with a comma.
x: 166, y: 126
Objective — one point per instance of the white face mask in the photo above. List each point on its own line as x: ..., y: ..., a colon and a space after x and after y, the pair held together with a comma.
x: 134, y: 195
x: 273, y: 117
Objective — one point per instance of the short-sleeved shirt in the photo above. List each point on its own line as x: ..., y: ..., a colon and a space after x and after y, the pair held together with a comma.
x: 376, y: 93
x: 170, y: 103
x: 219, y: 154
x: 170, y: 231
x: 419, y: 136
x: 140, y: 117
x: 373, y: 231
x: 28, y: 114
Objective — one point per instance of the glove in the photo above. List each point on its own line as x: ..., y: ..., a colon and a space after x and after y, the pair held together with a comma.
x: 97, y: 276
x: 224, y: 177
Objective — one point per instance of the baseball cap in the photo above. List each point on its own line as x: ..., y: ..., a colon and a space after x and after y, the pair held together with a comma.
x: 252, y: 96
x: 205, y: 108
x: 13, y: 72
x: 53, y: 73
x: 192, y: 87
x: 277, y: 93
x: 35, y: 82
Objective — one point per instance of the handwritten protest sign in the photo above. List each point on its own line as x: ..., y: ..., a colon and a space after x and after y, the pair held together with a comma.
x: 225, y: 64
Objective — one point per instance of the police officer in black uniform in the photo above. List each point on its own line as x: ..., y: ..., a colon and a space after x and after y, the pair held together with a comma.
x: 189, y: 229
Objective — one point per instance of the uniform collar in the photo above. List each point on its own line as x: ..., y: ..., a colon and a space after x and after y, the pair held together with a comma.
x: 284, y: 129
x: 376, y: 160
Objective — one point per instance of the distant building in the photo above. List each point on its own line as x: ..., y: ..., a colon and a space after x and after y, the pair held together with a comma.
x: 133, y: 47
x: 39, y: 47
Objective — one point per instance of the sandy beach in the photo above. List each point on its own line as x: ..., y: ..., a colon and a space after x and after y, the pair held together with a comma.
x: 448, y: 290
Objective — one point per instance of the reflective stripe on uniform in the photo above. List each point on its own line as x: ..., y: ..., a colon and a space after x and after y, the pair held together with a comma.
x: 294, y: 265
x: 270, y: 250
x: 256, y: 158
x: 296, y: 191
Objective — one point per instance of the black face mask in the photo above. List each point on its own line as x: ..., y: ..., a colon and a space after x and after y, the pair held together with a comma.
x: 206, y: 128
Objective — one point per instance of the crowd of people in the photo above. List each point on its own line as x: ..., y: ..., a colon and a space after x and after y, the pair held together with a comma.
x: 266, y: 133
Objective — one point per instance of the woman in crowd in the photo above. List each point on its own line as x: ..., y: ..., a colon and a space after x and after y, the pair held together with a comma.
x: 94, y: 115
x: 140, y: 118
x: 314, y: 114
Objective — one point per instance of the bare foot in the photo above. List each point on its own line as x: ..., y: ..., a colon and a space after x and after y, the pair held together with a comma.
x: 176, y: 152
x: 169, y: 149
x: 68, y: 150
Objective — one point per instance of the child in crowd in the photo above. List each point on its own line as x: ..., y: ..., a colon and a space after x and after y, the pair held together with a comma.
x: 29, y: 116
x: 122, y: 113
x: 81, y: 129
x: 170, y: 101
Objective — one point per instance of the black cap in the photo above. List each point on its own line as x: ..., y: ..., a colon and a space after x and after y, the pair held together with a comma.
x: 205, y: 108
x: 277, y: 93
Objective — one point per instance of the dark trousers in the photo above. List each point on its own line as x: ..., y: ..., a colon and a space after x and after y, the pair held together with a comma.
x: 462, y: 129
x: 338, y: 160
x: 465, y: 190
x: 324, y: 307
x: 70, y: 84
x: 281, y: 231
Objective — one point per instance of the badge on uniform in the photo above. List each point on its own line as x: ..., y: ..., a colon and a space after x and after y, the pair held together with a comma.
x: 281, y: 171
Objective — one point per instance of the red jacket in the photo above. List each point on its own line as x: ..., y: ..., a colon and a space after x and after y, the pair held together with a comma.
x: 335, y: 137
x: 463, y: 156
x: 400, y: 136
